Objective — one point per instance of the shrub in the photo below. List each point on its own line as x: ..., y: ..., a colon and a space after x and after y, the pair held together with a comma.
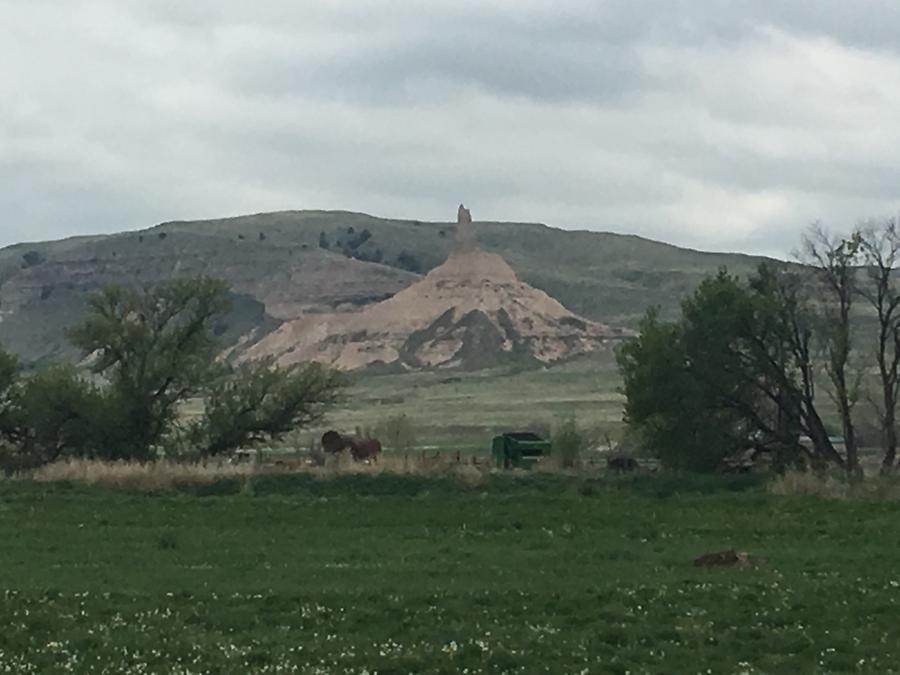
x: 409, y: 262
x: 397, y: 433
x: 9, y: 366
x: 33, y: 258
x: 261, y: 402
x: 61, y: 414
x: 353, y: 241
x: 568, y: 443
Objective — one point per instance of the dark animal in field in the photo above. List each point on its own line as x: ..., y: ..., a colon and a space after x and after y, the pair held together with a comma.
x: 361, y: 449
x: 621, y: 463
x: 729, y: 558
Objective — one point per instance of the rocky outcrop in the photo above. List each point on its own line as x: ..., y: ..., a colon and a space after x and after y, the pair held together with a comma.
x: 470, y: 312
x: 279, y: 273
x: 40, y: 299
x: 466, y: 239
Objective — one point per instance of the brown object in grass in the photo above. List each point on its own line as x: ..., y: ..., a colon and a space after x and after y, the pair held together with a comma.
x: 727, y: 558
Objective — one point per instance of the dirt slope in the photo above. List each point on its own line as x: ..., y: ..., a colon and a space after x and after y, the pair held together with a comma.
x: 470, y: 312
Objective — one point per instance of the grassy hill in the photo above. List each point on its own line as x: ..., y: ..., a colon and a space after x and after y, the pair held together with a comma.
x: 285, y: 264
x: 604, y: 276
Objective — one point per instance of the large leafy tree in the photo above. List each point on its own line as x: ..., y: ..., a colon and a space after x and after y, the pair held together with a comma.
x: 685, y: 384
x: 736, y: 372
x: 156, y: 348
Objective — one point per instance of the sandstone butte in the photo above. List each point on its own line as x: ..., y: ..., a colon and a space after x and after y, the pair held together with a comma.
x: 470, y: 312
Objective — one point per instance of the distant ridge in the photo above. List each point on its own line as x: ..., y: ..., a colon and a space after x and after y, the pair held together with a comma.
x: 287, y: 265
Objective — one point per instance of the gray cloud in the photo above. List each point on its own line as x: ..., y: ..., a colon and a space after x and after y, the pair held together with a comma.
x: 714, y: 124
x: 504, y: 66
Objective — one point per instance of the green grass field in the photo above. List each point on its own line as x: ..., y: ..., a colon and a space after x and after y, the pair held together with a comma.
x: 465, y: 409
x: 459, y: 410
x: 389, y: 574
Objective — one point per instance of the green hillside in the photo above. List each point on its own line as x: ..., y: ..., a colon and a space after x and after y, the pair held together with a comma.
x: 604, y: 276
x: 288, y: 263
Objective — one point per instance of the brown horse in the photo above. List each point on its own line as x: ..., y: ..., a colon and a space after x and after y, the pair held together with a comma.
x: 361, y: 449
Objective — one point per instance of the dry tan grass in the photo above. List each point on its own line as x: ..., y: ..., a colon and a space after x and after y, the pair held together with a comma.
x: 409, y: 465
x: 150, y: 477
x: 801, y: 483
x: 163, y: 475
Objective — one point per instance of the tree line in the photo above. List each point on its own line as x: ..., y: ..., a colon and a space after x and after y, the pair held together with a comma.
x: 150, y: 351
x: 758, y: 364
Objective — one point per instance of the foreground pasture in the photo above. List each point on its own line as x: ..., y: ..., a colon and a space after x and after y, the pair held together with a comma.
x: 390, y: 574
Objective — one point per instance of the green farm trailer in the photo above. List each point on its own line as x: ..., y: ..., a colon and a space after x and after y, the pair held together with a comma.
x: 519, y: 450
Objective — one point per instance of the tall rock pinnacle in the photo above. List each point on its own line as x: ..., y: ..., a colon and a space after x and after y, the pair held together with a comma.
x: 470, y: 312
x: 466, y: 241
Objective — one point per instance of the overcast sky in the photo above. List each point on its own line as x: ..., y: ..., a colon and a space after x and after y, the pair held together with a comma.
x: 714, y: 124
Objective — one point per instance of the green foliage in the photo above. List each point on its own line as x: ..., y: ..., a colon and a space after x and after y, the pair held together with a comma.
x: 739, y: 371
x: 260, y: 401
x: 33, y: 258
x: 568, y: 443
x: 47, y: 414
x: 662, y: 401
x: 397, y: 433
x: 408, y: 261
x: 156, y: 349
x: 60, y: 414
x: 8, y: 405
x: 151, y: 351
x: 350, y: 244
x: 687, y: 387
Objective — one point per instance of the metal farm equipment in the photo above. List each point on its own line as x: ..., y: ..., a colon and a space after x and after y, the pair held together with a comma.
x: 518, y: 450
